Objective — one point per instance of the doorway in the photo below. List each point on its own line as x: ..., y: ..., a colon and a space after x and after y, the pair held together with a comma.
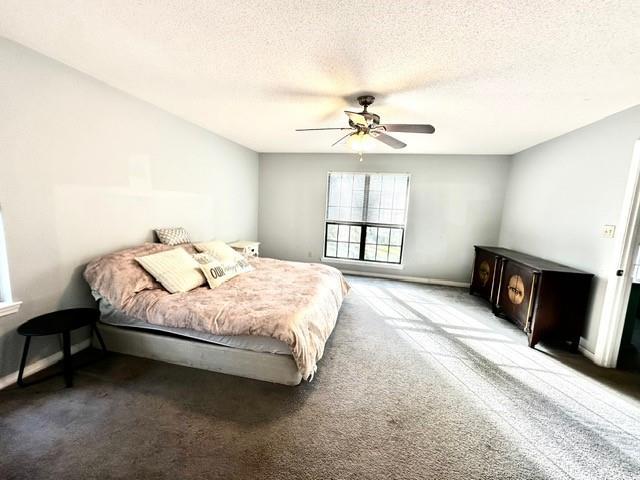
x: 622, y: 297
x: 629, y: 354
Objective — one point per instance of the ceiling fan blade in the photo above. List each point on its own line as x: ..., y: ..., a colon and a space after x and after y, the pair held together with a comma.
x: 409, y: 128
x: 357, y: 118
x: 389, y: 140
x: 342, y: 138
x: 330, y: 128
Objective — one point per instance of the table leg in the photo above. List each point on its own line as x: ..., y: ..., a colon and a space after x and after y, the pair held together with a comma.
x: 23, y: 360
x: 94, y: 328
x: 66, y: 359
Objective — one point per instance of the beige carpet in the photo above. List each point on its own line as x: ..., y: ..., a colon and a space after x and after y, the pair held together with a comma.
x: 416, y: 382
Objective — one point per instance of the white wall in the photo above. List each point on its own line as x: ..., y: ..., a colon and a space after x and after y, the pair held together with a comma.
x: 560, y: 193
x: 455, y: 202
x: 86, y: 169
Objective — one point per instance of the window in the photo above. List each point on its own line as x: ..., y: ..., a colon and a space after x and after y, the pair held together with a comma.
x: 366, y: 216
x: 7, y: 306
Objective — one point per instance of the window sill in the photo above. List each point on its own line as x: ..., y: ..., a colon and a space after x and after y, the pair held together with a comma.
x: 7, y: 308
x: 363, y: 263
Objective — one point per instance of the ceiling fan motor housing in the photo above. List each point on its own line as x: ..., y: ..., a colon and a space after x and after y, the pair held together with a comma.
x: 366, y: 100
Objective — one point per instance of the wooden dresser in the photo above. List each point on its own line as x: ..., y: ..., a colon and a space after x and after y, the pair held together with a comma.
x: 547, y: 300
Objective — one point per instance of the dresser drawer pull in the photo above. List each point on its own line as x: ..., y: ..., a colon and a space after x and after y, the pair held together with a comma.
x: 515, y: 290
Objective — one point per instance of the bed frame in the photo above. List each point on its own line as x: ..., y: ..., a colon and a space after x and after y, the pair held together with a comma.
x: 268, y: 367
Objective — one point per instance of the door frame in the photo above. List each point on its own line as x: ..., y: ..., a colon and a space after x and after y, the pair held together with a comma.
x: 618, y: 289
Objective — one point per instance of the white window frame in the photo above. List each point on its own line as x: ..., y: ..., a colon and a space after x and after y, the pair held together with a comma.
x: 7, y: 305
x: 365, y: 263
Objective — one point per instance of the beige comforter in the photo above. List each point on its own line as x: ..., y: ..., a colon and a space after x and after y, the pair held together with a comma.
x: 296, y: 303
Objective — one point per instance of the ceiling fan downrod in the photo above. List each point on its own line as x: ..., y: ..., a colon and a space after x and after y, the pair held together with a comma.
x: 365, y: 101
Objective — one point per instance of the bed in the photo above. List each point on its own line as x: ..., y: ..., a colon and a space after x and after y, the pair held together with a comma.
x: 269, y: 324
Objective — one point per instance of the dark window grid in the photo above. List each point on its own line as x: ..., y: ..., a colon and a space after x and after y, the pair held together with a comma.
x: 376, y: 233
x: 363, y: 241
x: 388, y: 244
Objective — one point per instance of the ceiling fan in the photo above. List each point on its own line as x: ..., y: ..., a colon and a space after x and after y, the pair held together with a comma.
x: 364, y: 125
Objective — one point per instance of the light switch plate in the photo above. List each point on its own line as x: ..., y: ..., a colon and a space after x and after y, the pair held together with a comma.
x: 609, y: 231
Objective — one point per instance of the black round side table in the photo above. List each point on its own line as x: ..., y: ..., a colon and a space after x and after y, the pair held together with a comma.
x: 54, y: 323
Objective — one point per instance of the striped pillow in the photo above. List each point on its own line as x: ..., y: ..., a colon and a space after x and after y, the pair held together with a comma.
x: 175, y: 269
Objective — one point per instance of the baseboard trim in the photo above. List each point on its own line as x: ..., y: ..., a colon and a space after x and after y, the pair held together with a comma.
x: 41, y: 364
x: 404, y: 278
x: 587, y: 353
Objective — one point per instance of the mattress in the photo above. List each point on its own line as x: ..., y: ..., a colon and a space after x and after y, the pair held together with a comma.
x: 256, y: 343
x: 292, y: 302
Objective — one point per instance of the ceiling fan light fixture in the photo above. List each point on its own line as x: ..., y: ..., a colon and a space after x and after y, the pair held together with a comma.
x: 361, y: 142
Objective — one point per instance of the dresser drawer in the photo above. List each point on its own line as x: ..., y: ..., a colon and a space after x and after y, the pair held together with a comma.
x: 517, y: 292
x: 484, y: 276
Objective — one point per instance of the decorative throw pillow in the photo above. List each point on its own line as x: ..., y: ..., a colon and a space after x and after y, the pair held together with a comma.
x: 217, y: 272
x: 220, y: 250
x: 172, y: 236
x: 202, y: 258
x: 239, y: 266
x: 175, y: 269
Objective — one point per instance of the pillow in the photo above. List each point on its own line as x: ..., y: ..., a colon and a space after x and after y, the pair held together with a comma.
x: 172, y: 236
x: 220, y: 250
x: 117, y: 277
x: 217, y: 272
x: 202, y: 258
x: 175, y: 269
x: 240, y: 265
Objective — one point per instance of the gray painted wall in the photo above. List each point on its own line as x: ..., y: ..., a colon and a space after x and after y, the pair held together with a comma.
x: 86, y: 169
x: 455, y: 202
x: 560, y: 193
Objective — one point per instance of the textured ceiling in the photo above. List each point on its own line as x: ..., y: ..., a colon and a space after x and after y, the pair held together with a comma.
x: 491, y: 76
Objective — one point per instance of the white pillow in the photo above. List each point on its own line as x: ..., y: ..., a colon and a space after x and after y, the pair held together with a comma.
x: 175, y: 269
x: 220, y: 250
x: 217, y: 272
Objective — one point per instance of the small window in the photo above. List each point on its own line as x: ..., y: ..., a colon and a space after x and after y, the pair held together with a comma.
x: 5, y: 289
x: 366, y: 216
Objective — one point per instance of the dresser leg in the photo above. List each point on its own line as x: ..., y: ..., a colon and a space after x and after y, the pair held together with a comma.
x: 533, y: 341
